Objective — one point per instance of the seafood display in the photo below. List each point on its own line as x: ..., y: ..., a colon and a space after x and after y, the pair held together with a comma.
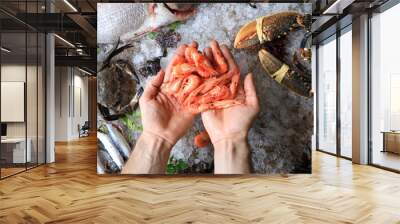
x: 136, y: 40
x: 126, y: 21
x: 266, y: 30
x: 198, y: 85
x: 108, y: 155
x: 202, y: 139
x: 160, y: 14
x: 117, y: 86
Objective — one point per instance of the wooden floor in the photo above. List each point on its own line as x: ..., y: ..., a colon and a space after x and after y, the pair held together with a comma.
x: 70, y: 191
x: 387, y: 159
x: 10, y: 171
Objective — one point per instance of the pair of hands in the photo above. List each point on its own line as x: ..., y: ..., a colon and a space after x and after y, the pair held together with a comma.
x: 228, y: 128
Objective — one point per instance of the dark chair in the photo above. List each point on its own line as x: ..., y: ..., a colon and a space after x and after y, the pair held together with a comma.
x: 84, y: 130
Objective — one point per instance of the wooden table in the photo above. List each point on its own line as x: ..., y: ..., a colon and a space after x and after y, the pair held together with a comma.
x: 391, y: 141
x: 13, y: 150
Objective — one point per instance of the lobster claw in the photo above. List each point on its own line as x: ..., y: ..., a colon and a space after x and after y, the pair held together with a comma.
x: 247, y: 36
x: 272, y: 27
x: 284, y: 75
x: 269, y: 28
x: 253, y: 33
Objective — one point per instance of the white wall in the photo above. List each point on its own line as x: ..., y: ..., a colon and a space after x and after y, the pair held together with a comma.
x: 33, y: 127
x: 70, y: 83
x: 61, y: 104
x: 50, y: 95
x: 80, y: 115
x: 314, y: 90
x: 16, y: 73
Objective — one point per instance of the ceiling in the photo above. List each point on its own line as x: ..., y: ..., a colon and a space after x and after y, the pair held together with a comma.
x: 74, y: 22
x: 329, y: 16
x: 16, y: 42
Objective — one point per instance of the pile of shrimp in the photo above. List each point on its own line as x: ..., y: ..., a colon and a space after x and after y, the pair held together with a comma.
x: 199, y: 84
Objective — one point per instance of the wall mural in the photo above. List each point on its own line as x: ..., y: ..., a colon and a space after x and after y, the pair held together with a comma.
x: 175, y: 93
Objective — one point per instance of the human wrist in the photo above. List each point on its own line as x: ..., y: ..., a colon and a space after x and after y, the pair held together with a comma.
x: 156, y: 143
x: 232, y: 156
x: 158, y: 138
x: 232, y: 146
x: 150, y: 155
x: 229, y: 137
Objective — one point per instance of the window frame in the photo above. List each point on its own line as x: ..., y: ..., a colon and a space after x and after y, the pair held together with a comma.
x: 338, y: 33
x: 381, y: 9
x: 31, y: 30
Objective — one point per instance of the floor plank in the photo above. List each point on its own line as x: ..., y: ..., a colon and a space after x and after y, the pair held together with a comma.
x: 70, y: 191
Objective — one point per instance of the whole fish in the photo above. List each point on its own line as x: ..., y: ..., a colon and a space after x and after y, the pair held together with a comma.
x: 159, y: 15
x: 106, y: 164
x: 128, y: 20
x: 119, y: 141
x: 100, y: 164
x: 107, y: 145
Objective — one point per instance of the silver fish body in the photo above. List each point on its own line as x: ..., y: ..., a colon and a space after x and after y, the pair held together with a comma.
x: 119, y: 141
x: 100, y: 164
x: 106, y: 164
x: 106, y: 144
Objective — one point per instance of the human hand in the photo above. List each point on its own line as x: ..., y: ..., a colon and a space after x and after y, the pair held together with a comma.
x: 232, y: 122
x: 228, y: 128
x: 163, y: 125
x: 161, y: 114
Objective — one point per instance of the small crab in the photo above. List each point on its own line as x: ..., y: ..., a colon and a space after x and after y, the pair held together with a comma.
x: 268, y: 30
x: 117, y: 84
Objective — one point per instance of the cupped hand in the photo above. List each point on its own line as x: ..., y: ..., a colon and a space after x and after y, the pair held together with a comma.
x: 161, y: 114
x: 232, y: 122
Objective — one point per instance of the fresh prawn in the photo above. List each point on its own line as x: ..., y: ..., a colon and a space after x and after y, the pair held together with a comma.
x: 234, y: 84
x: 176, y: 61
x: 220, y: 62
x: 175, y: 85
x: 217, y: 93
x: 200, y: 85
x: 198, y: 108
x: 181, y: 69
x: 209, y: 84
x: 203, y: 65
x: 202, y: 139
x: 190, y: 83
